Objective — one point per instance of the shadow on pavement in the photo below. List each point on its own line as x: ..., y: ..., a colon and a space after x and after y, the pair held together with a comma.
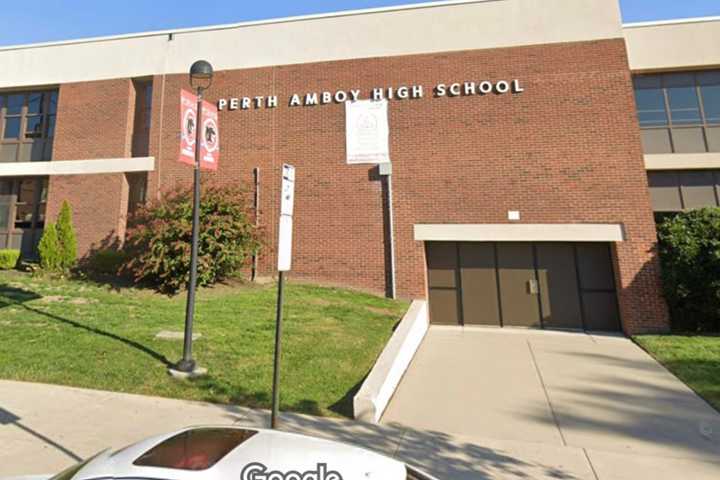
x: 8, y: 418
x: 631, y: 401
x: 435, y: 452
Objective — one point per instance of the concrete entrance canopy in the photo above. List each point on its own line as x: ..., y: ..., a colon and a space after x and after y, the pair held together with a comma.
x: 520, y: 233
x: 78, y: 167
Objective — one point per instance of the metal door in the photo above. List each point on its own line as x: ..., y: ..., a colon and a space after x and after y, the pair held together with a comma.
x: 442, y: 261
x: 519, y: 288
x: 558, y: 279
x: 478, y: 275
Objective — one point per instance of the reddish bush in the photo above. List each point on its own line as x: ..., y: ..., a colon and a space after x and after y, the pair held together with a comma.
x: 159, y: 236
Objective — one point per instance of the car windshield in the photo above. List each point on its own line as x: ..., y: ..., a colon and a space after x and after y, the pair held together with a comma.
x: 197, y: 449
x: 70, y: 472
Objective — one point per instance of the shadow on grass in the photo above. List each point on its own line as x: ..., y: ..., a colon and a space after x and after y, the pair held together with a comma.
x: 11, y: 296
x: 345, y: 406
x: 220, y: 392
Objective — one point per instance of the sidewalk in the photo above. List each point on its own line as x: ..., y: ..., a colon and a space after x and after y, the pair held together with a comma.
x: 44, y: 428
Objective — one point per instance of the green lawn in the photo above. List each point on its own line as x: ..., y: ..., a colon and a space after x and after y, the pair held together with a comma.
x: 87, y: 335
x: 693, y: 359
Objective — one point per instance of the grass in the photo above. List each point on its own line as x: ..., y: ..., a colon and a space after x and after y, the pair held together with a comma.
x: 87, y: 335
x: 693, y: 359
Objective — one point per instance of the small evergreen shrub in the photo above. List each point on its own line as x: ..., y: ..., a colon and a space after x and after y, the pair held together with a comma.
x: 49, y: 249
x: 690, y: 256
x: 66, y: 237
x: 9, y: 259
x: 158, y: 241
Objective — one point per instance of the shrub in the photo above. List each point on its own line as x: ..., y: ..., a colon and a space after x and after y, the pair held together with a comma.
x: 66, y: 238
x: 690, y: 256
x: 9, y: 259
x: 159, y: 236
x: 49, y: 248
x: 105, y: 262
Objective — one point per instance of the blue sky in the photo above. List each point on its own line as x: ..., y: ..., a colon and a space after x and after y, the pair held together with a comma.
x: 48, y: 20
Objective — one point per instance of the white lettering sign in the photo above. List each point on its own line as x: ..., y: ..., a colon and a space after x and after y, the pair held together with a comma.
x: 399, y: 93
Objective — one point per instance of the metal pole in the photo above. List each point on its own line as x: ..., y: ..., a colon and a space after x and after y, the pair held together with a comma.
x: 187, y: 364
x: 256, y: 174
x: 278, y: 351
x: 391, y: 226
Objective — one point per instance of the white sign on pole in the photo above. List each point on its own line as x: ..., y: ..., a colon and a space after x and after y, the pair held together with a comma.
x: 287, y: 203
x: 367, y: 134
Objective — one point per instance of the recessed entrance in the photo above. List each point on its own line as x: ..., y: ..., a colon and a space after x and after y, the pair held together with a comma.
x: 523, y: 284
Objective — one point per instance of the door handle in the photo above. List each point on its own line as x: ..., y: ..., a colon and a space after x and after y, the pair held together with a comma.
x: 532, y: 286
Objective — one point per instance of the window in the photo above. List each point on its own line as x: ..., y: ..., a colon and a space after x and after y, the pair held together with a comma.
x: 143, y: 117
x: 197, y: 449
x: 679, y: 112
x: 27, y: 125
x: 676, y: 191
x: 22, y: 213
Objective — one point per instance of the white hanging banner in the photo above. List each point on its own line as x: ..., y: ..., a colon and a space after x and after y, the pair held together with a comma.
x: 367, y: 133
x: 287, y: 204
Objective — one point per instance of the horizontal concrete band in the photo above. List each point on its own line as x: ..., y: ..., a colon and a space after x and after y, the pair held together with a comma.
x: 690, y: 43
x: 575, y: 232
x: 682, y: 161
x: 78, y: 167
x: 412, y: 29
x: 374, y: 396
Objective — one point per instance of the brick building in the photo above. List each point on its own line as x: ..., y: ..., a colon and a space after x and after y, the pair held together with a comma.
x: 532, y: 145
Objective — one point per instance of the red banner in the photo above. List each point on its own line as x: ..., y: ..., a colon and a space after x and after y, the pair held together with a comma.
x: 210, y: 133
x: 210, y: 144
x: 188, y: 126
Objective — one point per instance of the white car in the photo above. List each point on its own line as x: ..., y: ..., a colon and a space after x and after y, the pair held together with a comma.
x: 237, y: 453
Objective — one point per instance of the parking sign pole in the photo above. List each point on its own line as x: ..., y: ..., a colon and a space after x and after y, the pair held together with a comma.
x: 278, y: 350
x: 287, y: 202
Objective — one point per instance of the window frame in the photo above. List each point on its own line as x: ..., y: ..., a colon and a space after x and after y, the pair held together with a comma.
x: 704, y: 124
x: 46, y: 114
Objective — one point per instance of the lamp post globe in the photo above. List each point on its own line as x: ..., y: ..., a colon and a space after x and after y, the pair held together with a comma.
x: 201, y: 74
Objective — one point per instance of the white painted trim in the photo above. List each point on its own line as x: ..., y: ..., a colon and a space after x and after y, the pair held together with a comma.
x: 571, y: 232
x: 78, y: 167
x: 682, y: 161
x: 251, y: 23
x: 380, y: 385
x: 676, y: 21
x: 427, y: 28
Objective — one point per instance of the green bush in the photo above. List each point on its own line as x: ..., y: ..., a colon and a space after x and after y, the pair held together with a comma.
x: 9, y: 259
x: 159, y: 237
x: 66, y: 238
x: 106, y: 262
x: 49, y: 248
x: 690, y: 255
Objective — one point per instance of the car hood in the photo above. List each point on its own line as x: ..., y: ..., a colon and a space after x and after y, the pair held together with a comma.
x: 278, y: 451
x: 286, y: 452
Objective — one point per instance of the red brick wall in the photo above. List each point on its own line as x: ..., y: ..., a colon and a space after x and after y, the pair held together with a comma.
x: 567, y: 150
x: 94, y: 120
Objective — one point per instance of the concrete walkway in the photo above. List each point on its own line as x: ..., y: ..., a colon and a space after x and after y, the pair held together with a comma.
x: 557, y: 406
x: 598, y: 406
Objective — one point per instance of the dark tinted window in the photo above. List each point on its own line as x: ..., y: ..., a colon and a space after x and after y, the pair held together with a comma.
x: 15, y: 104
x: 12, y: 127
x: 710, y: 91
x: 683, y: 99
x: 197, y: 449
x: 679, y: 112
x: 651, y: 106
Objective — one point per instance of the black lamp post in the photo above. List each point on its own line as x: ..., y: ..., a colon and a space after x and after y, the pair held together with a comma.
x: 201, y: 74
